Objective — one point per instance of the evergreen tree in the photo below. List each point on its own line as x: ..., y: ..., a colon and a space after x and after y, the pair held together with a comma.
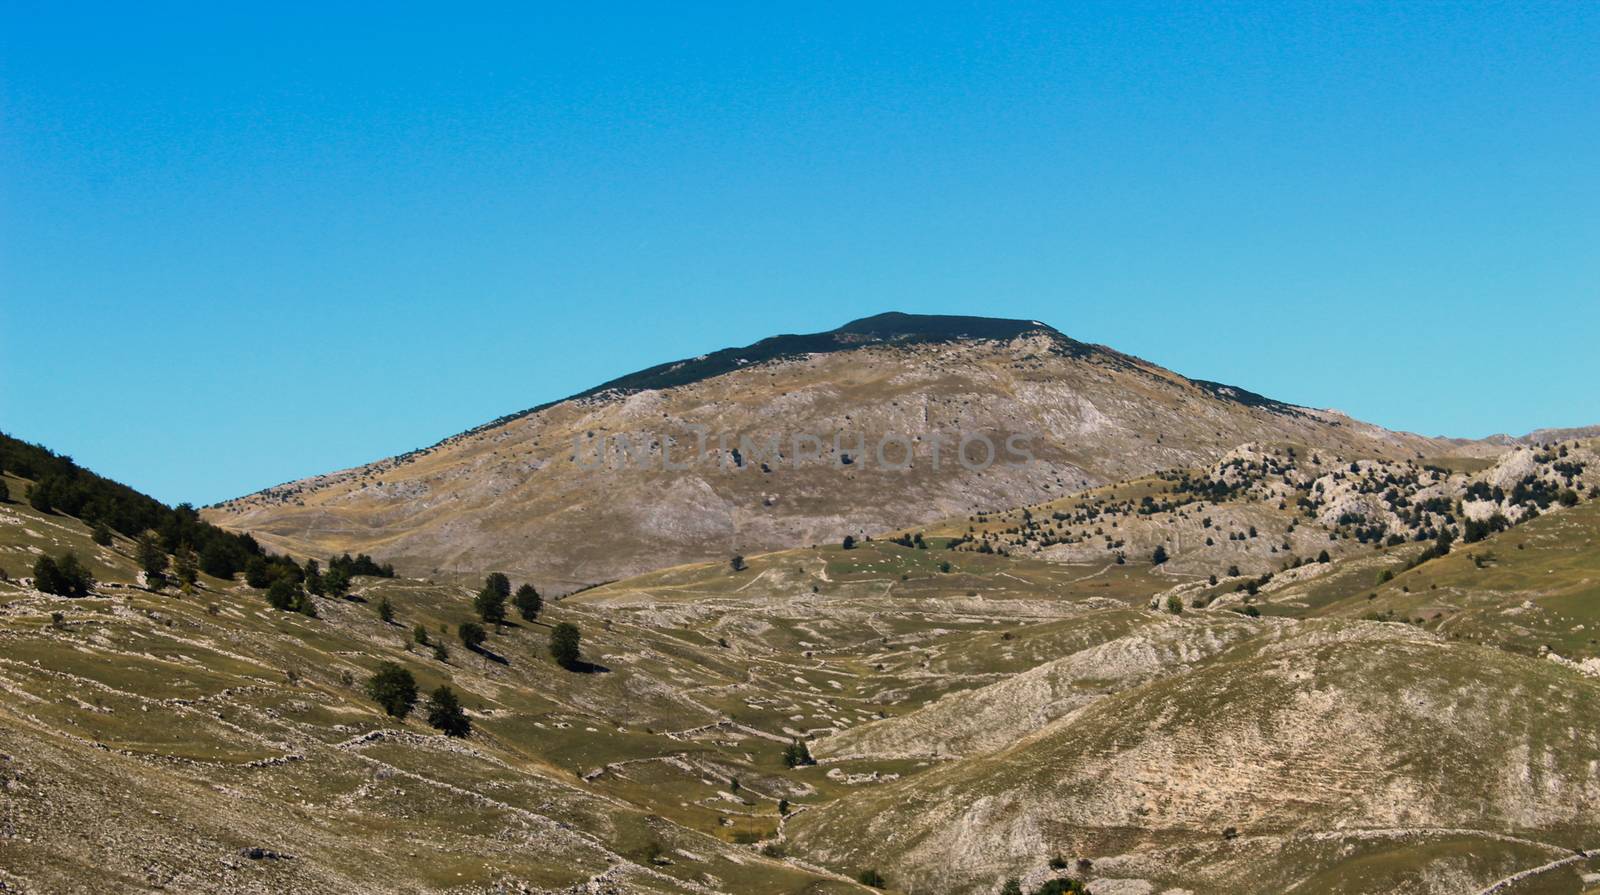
x: 1159, y: 556
x: 393, y: 688
x: 63, y: 576
x: 420, y: 634
x: 101, y: 534
x: 284, y: 595
x: 186, y: 566
x: 564, y: 645
x: 471, y: 634
x: 153, y: 560
x: 737, y: 563
x: 385, y: 610
x: 314, y: 579
x: 499, y: 583
x: 445, y: 713
x: 528, y: 602
x: 336, y: 582
x: 849, y: 542
x: 39, y: 496
x: 258, y: 573
x: 491, y: 603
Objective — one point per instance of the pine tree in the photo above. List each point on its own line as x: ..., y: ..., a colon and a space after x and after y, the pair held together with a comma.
x: 499, y: 583
x: 564, y: 645
x: 393, y: 688
x: 186, y: 566
x: 491, y: 603
x: 445, y: 713
x: 471, y: 634
x: 313, y: 578
x: 385, y: 610
x: 336, y: 583
x: 153, y: 560
x: 528, y: 602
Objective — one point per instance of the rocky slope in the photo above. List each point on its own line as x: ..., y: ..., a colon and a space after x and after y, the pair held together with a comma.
x: 551, y: 495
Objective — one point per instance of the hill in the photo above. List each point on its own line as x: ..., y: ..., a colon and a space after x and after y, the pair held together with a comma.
x: 975, y: 714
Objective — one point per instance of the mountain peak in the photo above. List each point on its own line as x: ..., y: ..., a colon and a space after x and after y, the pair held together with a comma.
x: 896, y: 325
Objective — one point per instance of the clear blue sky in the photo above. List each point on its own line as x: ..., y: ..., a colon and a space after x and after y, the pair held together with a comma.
x: 236, y: 250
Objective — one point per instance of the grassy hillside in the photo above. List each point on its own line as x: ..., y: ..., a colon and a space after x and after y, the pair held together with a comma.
x: 975, y: 714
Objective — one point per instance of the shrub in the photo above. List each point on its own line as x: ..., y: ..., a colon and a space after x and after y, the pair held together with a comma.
x: 871, y: 877
x: 101, y: 534
x: 797, y: 754
x: 737, y: 564
x: 385, y: 610
x: 445, y: 713
x: 420, y: 634
x: 1175, y: 604
x: 393, y: 688
x: 1159, y: 556
x: 849, y: 542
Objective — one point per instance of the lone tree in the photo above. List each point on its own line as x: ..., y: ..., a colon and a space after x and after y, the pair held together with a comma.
x: 849, y: 542
x: 737, y: 563
x: 1175, y: 604
x: 871, y: 878
x: 1159, y: 556
x: 472, y: 634
x: 444, y: 713
x: 385, y: 610
x: 490, y: 603
x: 101, y: 534
x: 564, y: 641
x: 394, y: 688
x: 528, y: 602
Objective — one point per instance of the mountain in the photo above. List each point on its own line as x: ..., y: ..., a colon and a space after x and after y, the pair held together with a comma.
x: 552, y: 493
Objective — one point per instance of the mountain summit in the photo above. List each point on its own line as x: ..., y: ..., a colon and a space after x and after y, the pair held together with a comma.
x: 796, y: 439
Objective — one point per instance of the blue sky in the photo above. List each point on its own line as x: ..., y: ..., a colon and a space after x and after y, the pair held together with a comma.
x: 240, y: 249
